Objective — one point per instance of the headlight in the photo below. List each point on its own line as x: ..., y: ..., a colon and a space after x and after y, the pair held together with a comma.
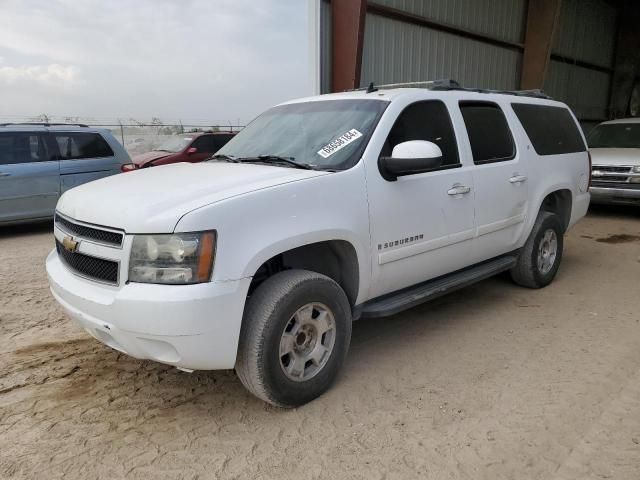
x: 176, y: 259
x: 636, y: 169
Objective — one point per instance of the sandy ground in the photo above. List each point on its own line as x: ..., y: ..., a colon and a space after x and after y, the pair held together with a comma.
x: 493, y: 382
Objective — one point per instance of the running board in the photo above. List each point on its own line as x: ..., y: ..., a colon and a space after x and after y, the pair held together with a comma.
x: 395, y: 302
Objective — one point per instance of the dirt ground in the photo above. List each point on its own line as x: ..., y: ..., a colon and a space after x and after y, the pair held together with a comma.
x: 492, y: 382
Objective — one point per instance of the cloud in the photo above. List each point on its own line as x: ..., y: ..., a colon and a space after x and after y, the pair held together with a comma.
x: 214, y: 61
x: 53, y: 75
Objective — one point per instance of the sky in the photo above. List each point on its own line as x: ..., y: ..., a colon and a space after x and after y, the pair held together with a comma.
x: 199, y: 61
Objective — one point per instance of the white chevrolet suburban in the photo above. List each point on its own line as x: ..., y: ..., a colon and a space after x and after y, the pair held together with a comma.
x: 323, y: 210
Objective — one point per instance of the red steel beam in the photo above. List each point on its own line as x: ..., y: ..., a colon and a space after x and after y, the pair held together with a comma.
x: 542, y: 19
x: 347, y: 24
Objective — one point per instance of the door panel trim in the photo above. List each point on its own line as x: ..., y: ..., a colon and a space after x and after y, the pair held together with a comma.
x: 423, y: 247
x: 501, y: 224
x: 83, y: 172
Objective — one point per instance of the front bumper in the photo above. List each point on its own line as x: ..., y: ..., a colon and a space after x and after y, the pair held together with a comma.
x: 615, y: 196
x: 194, y: 327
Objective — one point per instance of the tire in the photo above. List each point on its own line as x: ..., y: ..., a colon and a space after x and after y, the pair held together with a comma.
x: 288, y: 312
x: 528, y: 271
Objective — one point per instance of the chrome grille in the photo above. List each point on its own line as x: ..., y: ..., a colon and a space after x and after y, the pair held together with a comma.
x: 610, y: 174
x: 97, y: 235
x: 612, y: 168
x: 93, y: 268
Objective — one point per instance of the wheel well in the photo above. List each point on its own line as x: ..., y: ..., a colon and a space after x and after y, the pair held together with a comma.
x: 336, y: 259
x: 559, y: 202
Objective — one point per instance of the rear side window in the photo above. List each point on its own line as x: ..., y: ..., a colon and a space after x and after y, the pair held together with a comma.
x: 552, y: 130
x: 489, y: 134
x: 78, y: 145
x: 22, y: 148
x: 428, y: 121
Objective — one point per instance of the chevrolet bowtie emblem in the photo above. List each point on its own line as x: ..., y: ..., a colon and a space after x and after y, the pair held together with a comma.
x: 70, y: 244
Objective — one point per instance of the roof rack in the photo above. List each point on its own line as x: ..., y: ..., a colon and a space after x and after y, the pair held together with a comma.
x: 449, y: 84
x: 42, y: 124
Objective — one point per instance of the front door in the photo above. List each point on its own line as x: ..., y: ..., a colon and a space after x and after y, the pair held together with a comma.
x: 421, y: 225
x: 29, y: 177
x: 499, y: 177
x: 205, y: 146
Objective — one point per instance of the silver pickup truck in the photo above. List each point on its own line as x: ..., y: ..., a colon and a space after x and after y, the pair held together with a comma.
x: 615, y: 153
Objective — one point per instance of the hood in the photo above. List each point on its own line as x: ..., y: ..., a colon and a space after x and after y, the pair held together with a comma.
x: 615, y: 156
x: 145, y: 158
x: 154, y: 199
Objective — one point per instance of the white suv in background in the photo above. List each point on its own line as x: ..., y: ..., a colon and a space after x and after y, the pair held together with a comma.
x: 615, y: 153
x: 322, y: 211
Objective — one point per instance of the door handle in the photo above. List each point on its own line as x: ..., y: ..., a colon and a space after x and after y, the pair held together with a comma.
x: 518, y: 179
x: 3, y: 174
x: 458, y: 190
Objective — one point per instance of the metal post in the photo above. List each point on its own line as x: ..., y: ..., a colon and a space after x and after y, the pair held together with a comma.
x: 347, y: 24
x: 121, y: 132
x: 542, y: 20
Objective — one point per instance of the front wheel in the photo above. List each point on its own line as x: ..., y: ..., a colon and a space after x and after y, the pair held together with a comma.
x: 294, y: 338
x: 540, y: 258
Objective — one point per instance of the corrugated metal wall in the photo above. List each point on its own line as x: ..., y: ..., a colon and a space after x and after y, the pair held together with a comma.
x: 396, y: 51
x: 586, y: 32
x: 502, y: 19
x: 586, y: 91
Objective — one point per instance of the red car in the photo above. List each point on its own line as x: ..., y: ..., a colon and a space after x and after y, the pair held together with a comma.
x: 189, y: 147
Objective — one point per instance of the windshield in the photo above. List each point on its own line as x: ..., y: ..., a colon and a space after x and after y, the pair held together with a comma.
x: 329, y: 134
x: 174, y: 144
x: 615, y: 135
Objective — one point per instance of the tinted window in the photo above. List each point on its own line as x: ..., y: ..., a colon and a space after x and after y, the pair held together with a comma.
x: 73, y: 146
x: 203, y: 144
x: 425, y: 121
x: 221, y: 140
x: 489, y: 133
x: 615, y: 135
x: 211, y: 143
x: 552, y: 130
x: 22, y: 148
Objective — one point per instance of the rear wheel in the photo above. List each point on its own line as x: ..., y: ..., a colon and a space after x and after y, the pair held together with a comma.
x: 540, y: 258
x: 295, y: 336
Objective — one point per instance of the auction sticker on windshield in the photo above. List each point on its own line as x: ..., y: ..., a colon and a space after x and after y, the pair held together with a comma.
x: 339, y: 143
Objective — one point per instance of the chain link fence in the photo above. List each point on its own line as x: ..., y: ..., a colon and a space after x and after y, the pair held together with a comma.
x: 141, y: 138
x: 136, y: 136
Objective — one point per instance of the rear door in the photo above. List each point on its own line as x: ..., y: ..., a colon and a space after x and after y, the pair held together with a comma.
x: 29, y: 177
x: 84, y: 156
x: 499, y: 177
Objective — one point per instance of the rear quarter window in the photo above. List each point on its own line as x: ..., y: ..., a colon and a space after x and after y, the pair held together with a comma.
x: 552, y: 130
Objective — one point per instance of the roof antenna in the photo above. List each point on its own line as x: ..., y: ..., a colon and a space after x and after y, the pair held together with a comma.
x: 371, y: 88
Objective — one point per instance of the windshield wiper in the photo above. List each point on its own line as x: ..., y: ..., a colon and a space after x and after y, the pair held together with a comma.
x: 224, y: 158
x: 276, y: 159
